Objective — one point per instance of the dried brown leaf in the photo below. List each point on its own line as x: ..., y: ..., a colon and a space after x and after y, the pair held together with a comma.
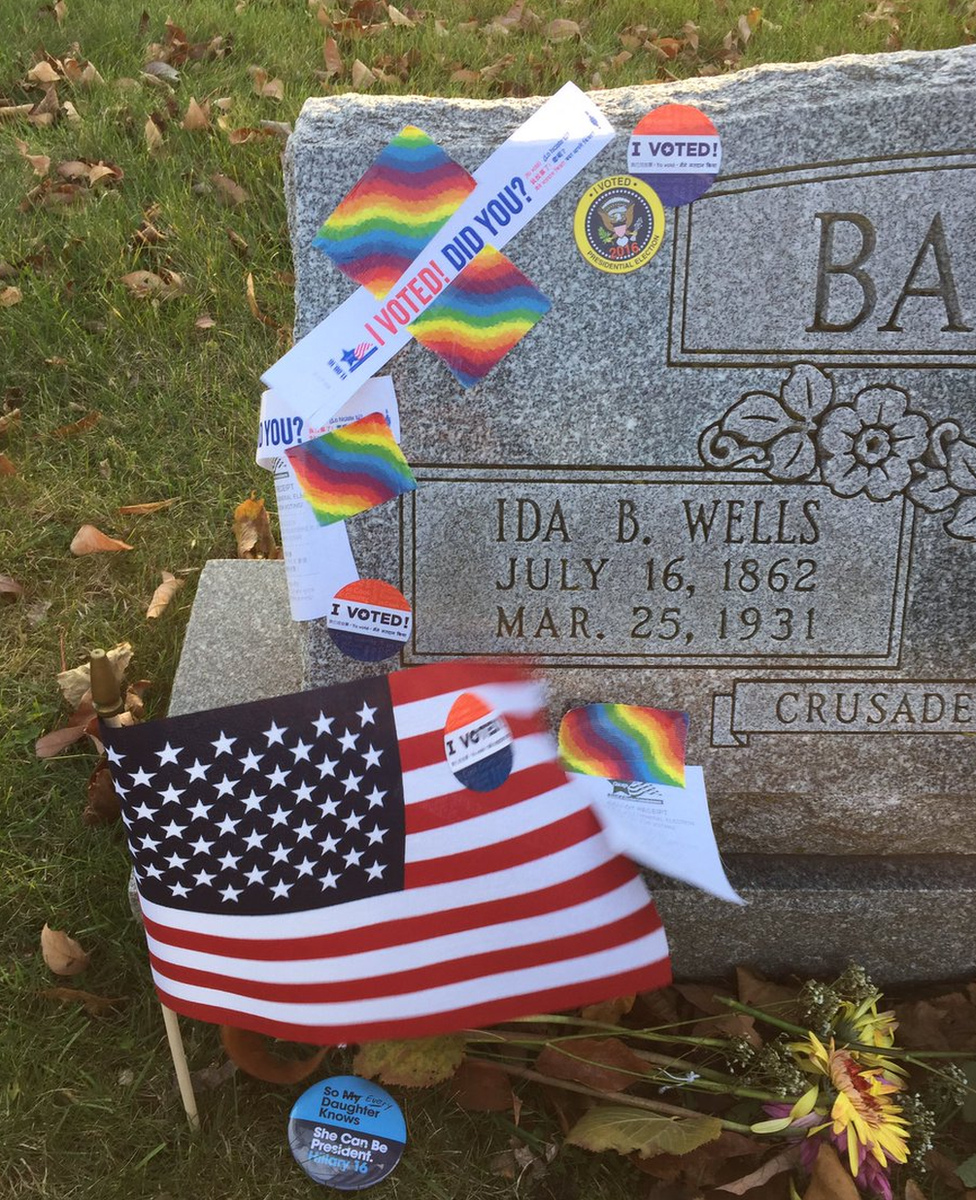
x: 831, y: 1180
x: 259, y: 77
x: 41, y: 163
x: 670, y: 47
x: 89, y: 540
x: 104, y: 805
x: 43, y: 72
x: 163, y: 594
x: 760, y: 993
x: 6, y: 466
x: 481, y: 1087
x: 153, y: 135
x: 251, y: 1052
x: 80, y: 426
x: 60, y: 11
x: 10, y: 589
x: 71, y: 114
x: 208, y: 1079
x: 606, y: 1064
x: 147, y: 285
x: 274, y: 89
x: 252, y: 303
x: 75, y: 681
x: 333, y: 59
x: 45, y: 111
x: 241, y: 248
x: 229, y: 193
x: 62, y: 954
x: 9, y: 112
x: 10, y: 296
x: 197, y: 116
x: 252, y: 529
x: 465, y: 75
x: 561, y: 29
x: 95, y: 1006
x: 9, y: 419
x: 784, y: 1161
x: 362, y: 76
x: 204, y: 321
x: 50, y: 745
x: 608, y: 1012
x: 102, y: 170
x: 399, y: 18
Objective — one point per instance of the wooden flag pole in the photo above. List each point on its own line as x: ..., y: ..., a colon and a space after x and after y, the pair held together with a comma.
x: 175, y: 1038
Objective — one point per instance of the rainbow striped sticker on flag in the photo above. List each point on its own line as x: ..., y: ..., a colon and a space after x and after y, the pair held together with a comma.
x: 395, y: 209
x: 486, y: 311
x: 625, y: 741
x: 352, y: 469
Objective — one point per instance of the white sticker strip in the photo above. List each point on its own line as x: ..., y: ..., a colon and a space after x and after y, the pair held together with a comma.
x: 372, y: 620
x: 531, y: 167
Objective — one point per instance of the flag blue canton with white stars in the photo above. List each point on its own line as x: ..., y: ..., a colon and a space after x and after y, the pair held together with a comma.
x: 228, y: 812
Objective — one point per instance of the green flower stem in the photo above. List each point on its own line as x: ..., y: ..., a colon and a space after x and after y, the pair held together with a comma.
x: 712, y: 1081
x: 645, y: 1034
x: 655, y: 1106
x: 749, y: 1011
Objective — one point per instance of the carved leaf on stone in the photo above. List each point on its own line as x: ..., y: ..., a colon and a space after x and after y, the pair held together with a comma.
x: 932, y: 490
x: 722, y: 450
x: 963, y: 522
x: 807, y: 392
x: 758, y: 418
x: 791, y: 456
x: 961, y: 466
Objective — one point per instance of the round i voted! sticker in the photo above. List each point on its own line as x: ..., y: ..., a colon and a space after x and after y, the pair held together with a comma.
x: 347, y: 1132
x: 677, y: 151
x: 477, y: 744
x: 369, y: 620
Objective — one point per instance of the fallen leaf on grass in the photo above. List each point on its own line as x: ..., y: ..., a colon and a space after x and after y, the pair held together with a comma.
x: 9, y: 419
x: 608, y: 1012
x: 163, y: 594
x: 10, y: 111
x: 10, y: 589
x: 95, y: 1006
x: 399, y: 18
x: 6, y: 466
x: 417, y: 1062
x: 208, y: 1079
x: 53, y: 743
x: 81, y: 74
x: 561, y: 29
x: 154, y: 136
x: 204, y: 321
x: 43, y: 72
x: 158, y: 70
x: 197, y: 116
x: 760, y: 993
x: 263, y: 85
x: 252, y: 528
x: 142, y: 510
x: 830, y: 1180
x: 251, y: 1052
x: 76, y: 681
x: 147, y: 285
x: 605, y: 1064
x: 481, y: 1087
x: 228, y: 192
x: 362, y: 76
x: 41, y: 163
x: 627, y: 1130
x: 10, y: 296
x: 90, y: 540
x: 104, y: 806
x: 252, y: 304
x: 333, y: 59
x: 62, y: 954
x: 80, y: 426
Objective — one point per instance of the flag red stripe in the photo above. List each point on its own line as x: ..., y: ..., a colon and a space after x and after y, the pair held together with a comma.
x: 422, y: 683
x: 465, y: 804
x: 513, y: 852
x: 643, y: 979
x: 597, y: 882
x: 441, y: 974
x: 426, y: 749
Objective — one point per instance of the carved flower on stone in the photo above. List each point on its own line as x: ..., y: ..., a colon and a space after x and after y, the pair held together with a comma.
x: 776, y: 431
x: 947, y: 478
x: 872, y: 444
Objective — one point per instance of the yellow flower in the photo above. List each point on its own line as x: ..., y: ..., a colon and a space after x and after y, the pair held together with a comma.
x: 863, y: 1023
x: 863, y: 1108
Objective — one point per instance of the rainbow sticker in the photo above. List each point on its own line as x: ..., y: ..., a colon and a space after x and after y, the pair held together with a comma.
x: 352, y: 469
x: 477, y: 744
x: 395, y: 209
x: 676, y: 150
x: 623, y: 741
x: 369, y: 620
x: 486, y: 311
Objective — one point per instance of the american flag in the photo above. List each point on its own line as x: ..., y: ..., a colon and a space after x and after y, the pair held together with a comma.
x: 309, y: 866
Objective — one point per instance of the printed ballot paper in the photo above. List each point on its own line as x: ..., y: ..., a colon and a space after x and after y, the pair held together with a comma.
x: 665, y: 828
x: 530, y: 167
x: 318, y: 558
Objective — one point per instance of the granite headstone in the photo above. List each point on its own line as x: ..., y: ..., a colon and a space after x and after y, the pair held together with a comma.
x: 740, y: 481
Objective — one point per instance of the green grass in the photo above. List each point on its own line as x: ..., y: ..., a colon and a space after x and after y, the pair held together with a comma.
x: 89, y: 1105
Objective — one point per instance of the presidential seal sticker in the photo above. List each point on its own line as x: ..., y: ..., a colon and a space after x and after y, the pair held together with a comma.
x: 369, y: 620
x: 676, y: 150
x: 477, y: 744
x: 619, y: 224
x: 347, y: 1132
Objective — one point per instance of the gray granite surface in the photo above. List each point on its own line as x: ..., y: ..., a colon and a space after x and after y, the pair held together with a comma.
x: 776, y: 412
x: 904, y: 918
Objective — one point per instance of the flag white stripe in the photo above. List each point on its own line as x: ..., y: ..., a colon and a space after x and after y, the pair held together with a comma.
x: 545, y: 977
x: 417, y: 717
x: 546, y: 871
x: 629, y: 898
x: 492, y: 827
x: 426, y: 783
